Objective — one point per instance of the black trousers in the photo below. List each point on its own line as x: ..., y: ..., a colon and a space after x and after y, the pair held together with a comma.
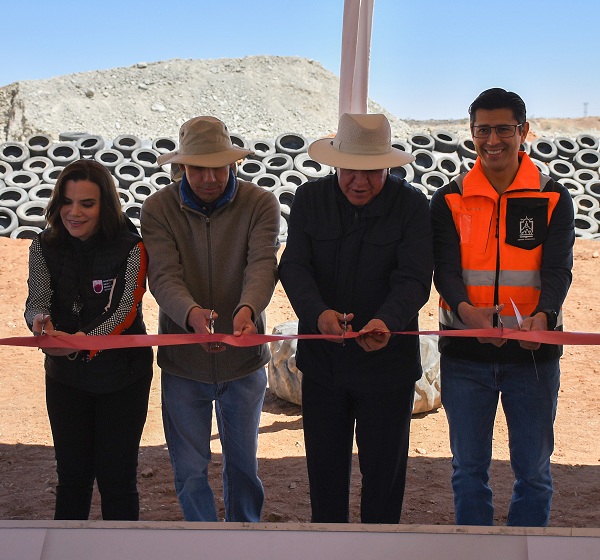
x: 382, y: 422
x: 97, y: 437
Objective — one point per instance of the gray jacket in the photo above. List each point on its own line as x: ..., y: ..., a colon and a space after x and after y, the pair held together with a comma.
x: 221, y: 262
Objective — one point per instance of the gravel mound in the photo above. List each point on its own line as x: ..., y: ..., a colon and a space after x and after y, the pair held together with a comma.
x: 257, y: 97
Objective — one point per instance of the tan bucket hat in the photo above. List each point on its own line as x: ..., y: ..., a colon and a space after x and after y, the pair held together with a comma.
x: 362, y: 142
x: 204, y: 142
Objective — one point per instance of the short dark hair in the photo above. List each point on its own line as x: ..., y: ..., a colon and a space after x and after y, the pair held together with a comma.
x: 112, y: 219
x: 498, y: 98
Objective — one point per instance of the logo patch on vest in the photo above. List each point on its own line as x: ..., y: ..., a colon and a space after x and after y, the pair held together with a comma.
x: 100, y: 286
x: 526, y: 222
x: 526, y: 228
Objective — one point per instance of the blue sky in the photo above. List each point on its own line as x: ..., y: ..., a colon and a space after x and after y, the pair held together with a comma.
x: 429, y: 58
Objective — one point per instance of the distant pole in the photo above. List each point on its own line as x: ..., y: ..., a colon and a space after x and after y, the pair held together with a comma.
x: 356, y: 53
x: 585, y: 104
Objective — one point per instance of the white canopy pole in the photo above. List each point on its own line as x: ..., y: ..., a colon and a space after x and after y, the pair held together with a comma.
x: 356, y: 52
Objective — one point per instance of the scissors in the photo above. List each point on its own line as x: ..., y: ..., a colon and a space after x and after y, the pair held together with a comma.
x: 211, y: 330
x: 500, y: 323
x: 345, y: 329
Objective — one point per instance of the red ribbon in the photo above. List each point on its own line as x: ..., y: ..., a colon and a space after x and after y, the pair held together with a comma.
x: 136, y: 340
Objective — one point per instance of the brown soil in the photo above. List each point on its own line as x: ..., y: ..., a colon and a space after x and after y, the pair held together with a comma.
x: 27, y: 471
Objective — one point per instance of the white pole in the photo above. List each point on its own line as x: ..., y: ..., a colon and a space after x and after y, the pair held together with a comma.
x: 356, y: 52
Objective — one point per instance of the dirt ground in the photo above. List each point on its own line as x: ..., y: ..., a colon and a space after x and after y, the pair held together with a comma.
x: 27, y: 471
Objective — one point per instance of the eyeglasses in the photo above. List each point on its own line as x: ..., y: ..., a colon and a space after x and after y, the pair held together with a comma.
x: 502, y: 130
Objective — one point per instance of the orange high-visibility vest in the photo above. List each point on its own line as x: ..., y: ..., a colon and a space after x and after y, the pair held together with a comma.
x: 501, y: 240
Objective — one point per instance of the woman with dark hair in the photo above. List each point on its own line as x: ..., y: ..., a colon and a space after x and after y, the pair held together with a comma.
x: 87, y: 276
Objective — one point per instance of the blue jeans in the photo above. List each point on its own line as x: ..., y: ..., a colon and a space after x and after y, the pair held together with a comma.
x: 187, y: 407
x: 470, y: 392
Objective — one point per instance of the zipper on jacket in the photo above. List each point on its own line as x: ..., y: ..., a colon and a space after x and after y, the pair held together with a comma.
x: 497, y: 276
x: 213, y: 358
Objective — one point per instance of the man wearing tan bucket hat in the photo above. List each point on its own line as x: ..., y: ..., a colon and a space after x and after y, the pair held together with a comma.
x: 212, y: 242
x: 358, y: 258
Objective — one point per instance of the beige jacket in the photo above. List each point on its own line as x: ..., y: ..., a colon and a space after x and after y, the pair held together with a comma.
x: 221, y: 262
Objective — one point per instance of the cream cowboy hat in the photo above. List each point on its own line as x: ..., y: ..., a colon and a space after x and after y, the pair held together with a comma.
x: 204, y: 142
x: 362, y: 142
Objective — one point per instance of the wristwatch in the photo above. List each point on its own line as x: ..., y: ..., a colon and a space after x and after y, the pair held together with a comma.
x: 551, y: 317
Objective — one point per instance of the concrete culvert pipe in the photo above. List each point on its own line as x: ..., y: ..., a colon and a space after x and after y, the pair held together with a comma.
x: 585, y: 203
x: 164, y: 145
x: 585, y: 175
x: 309, y: 167
x: 13, y: 197
x: 25, y: 232
x: 133, y: 210
x: 467, y: 164
x: 587, y: 159
x: 109, y: 158
x: 584, y: 224
x: 126, y: 144
x: 141, y: 190
x: 424, y: 162
x: 574, y: 187
x: 448, y: 165
x: 544, y: 149
x: 250, y: 168
x: 444, y: 141
x: 71, y: 136
x: 22, y: 179
x: 285, y: 195
x: 587, y: 141
x: 5, y: 169
x: 403, y: 145
x: 405, y: 172
x: 14, y: 153
x: 542, y: 166
x: 160, y: 179
x: 8, y: 221
x: 90, y: 144
x: 466, y: 149
x: 262, y: 148
x: 38, y: 144
x: 561, y: 169
x: 37, y: 165
x: 128, y: 173
x: 595, y: 215
x: 267, y: 181
x: 125, y: 196
x: 42, y: 191
x: 51, y: 175
x: 239, y: 141
x: 32, y: 213
x: 291, y: 143
x: 277, y: 163
x: 293, y: 177
x: 62, y: 153
x: 147, y: 159
x: 421, y: 141
x: 433, y: 180
x: 593, y: 188
x: 566, y: 147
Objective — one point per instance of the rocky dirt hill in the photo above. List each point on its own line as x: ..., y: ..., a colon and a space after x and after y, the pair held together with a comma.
x: 258, y: 97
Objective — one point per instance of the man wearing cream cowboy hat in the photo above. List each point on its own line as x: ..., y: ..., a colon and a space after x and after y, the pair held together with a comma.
x: 358, y: 258
x: 212, y: 242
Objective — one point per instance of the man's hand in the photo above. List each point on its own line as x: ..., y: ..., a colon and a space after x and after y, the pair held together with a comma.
x: 243, y: 323
x: 539, y: 322
x: 199, y: 321
x: 332, y: 322
x: 480, y: 318
x: 373, y: 336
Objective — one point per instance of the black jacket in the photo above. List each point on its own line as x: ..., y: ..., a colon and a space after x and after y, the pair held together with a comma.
x: 374, y: 261
x: 94, y: 286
